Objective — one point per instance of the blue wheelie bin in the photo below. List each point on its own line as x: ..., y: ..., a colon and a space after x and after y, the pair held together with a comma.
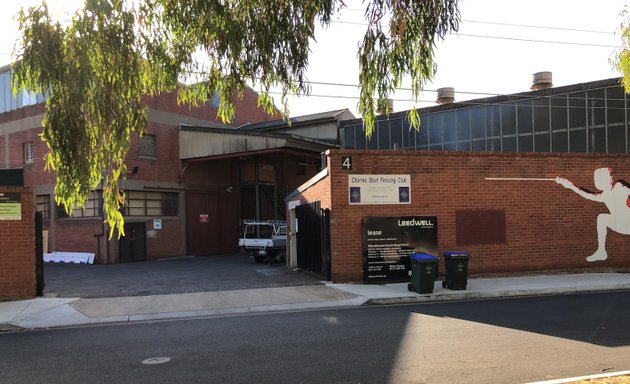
x: 423, y: 272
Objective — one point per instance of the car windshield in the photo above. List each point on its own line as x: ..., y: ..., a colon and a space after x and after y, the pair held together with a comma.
x: 259, y: 230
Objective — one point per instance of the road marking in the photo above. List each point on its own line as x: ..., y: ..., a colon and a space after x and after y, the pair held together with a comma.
x: 590, y: 377
x: 156, y: 360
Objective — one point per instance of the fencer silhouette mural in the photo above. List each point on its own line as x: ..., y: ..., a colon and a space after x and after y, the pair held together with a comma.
x: 616, y: 196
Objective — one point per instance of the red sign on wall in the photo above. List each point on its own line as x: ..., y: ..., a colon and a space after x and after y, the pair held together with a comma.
x: 203, y: 217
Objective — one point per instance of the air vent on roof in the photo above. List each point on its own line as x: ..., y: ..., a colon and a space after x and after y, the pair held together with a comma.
x: 445, y: 95
x: 541, y: 80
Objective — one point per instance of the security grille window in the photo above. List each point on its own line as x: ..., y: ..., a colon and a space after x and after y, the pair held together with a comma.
x: 29, y: 152
x: 147, y: 146
x: 93, y: 208
x: 140, y: 203
x: 43, y: 205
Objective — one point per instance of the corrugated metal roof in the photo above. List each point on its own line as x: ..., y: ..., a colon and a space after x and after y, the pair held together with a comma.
x: 207, y: 142
x: 305, y: 119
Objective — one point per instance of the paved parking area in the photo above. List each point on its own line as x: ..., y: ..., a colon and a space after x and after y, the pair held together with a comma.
x: 176, y: 275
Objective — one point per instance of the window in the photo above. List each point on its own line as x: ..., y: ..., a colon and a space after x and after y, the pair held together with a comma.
x: 422, y: 136
x: 347, y: 136
x: 435, y: 131
x: 140, y: 203
x: 396, y: 134
x: 360, y: 138
x: 449, y: 130
x: 42, y: 204
x: 93, y: 207
x: 382, y: 130
x: 9, y: 101
x: 29, y: 153
x: 216, y: 100
x: 596, y: 108
x: 508, y: 119
x: 300, y: 168
x: 147, y: 146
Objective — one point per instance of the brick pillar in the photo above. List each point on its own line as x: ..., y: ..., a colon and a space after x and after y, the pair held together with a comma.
x: 17, y: 246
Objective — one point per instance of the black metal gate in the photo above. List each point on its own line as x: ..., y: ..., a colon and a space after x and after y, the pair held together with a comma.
x: 39, y: 254
x: 313, y: 239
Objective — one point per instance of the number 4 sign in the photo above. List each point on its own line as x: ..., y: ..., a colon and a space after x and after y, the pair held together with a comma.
x: 346, y: 162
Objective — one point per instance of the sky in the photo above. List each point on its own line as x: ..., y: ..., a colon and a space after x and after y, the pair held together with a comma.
x: 499, y: 45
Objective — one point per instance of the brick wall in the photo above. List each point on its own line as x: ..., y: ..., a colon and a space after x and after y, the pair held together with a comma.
x: 166, y: 165
x: 78, y: 234
x: 164, y: 171
x: 548, y: 227
x: 247, y: 110
x: 167, y: 241
x: 22, y: 113
x: 17, y: 250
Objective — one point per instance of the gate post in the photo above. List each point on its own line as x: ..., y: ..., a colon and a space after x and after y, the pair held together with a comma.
x: 326, y: 253
x: 39, y: 254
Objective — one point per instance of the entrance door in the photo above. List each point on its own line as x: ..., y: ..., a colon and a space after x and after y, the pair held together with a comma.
x: 133, y: 246
x: 212, y: 225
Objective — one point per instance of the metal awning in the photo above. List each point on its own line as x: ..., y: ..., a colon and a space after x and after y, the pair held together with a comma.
x: 200, y: 142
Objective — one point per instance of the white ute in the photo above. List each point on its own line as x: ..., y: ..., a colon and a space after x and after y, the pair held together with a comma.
x: 262, y: 239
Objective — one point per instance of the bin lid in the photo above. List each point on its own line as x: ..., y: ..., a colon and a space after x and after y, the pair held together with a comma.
x: 423, y: 257
x: 456, y: 255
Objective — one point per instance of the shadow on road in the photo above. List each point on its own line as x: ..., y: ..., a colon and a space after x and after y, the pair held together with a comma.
x: 600, y: 318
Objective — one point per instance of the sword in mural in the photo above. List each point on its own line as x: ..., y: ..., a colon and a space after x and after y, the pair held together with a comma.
x: 614, y: 194
x: 520, y: 178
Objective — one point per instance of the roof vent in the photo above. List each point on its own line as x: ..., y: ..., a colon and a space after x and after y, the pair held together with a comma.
x: 386, y: 107
x: 445, y: 95
x: 541, y: 80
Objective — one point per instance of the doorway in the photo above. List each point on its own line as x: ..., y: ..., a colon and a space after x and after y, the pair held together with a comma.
x: 133, y: 246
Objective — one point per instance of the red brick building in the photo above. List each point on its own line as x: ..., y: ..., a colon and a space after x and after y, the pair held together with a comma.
x: 191, y: 180
x: 484, y: 173
x: 506, y: 225
x: 157, y: 187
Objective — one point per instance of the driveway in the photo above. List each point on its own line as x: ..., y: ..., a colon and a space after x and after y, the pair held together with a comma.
x: 176, y: 275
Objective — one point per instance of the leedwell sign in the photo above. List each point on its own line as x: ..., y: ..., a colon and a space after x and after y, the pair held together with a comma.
x: 388, y: 242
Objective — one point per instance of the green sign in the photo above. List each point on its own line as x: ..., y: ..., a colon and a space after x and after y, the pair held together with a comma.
x: 10, y: 206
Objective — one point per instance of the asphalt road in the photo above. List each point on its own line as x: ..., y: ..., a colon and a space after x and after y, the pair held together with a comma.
x: 176, y: 275
x: 493, y: 341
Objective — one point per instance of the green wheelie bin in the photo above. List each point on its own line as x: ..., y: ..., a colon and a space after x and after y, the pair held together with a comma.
x: 456, y: 270
x: 423, y: 272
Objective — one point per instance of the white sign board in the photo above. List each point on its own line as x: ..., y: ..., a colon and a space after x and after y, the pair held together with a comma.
x: 379, y: 189
x: 157, y: 223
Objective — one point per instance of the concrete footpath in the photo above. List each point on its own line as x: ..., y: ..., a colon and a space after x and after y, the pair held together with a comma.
x: 42, y: 313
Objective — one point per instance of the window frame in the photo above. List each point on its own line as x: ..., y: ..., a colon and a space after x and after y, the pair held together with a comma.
x: 93, y: 208
x: 42, y: 204
x: 28, y: 152
x: 147, y: 146
x: 147, y: 202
